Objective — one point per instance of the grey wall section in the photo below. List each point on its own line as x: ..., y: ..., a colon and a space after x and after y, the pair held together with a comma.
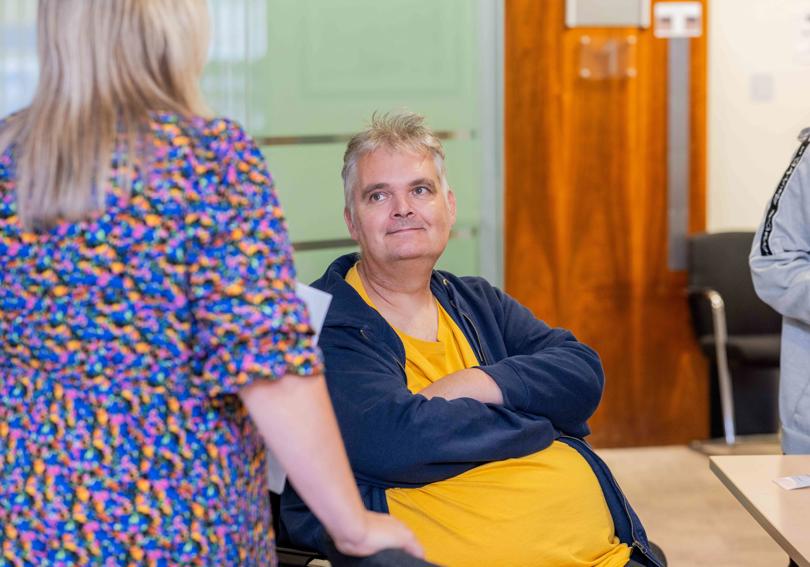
x: 678, y: 133
x: 491, y: 79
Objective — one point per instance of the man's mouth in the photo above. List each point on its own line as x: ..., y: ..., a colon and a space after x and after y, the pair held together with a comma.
x: 405, y: 229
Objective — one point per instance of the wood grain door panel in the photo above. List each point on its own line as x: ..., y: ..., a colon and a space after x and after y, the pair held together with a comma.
x: 586, y: 216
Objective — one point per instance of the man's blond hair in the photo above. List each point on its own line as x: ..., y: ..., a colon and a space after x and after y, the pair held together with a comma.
x: 401, y: 131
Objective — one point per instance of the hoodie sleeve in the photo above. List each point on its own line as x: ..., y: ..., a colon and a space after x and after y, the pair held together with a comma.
x: 547, y: 372
x: 396, y: 438
x: 780, y: 254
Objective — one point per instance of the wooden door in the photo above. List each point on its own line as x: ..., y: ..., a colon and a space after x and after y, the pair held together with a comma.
x: 586, y: 215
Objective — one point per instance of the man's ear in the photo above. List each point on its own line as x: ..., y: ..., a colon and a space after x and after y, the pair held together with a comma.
x: 347, y: 217
x: 451, y: 202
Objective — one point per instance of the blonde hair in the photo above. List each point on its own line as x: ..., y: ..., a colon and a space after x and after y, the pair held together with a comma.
x: 104, y: 66
x: 402, y: 131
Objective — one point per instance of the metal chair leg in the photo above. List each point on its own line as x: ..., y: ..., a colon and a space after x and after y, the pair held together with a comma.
x: 723, y: 372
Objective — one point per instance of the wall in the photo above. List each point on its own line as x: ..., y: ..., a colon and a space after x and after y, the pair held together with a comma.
x: 759, y: 100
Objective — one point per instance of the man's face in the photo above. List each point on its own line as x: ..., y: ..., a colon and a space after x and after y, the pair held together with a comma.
x: 400, y: 211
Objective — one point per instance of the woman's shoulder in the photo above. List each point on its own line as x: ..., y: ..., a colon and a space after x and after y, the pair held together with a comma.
x: 198, y: 130
x: 217, y: 154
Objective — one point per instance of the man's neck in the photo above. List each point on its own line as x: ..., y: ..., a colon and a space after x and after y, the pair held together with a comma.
x: 401, y: 293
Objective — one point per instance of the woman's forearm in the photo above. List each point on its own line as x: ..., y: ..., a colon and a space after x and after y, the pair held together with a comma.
x: 296, y: 419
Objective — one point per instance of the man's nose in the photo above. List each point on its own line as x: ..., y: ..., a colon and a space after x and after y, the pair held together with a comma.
x: 402, y: 207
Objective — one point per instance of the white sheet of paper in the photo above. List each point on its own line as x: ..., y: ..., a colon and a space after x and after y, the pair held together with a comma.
x: 317, y: 303
x: 793, y: 482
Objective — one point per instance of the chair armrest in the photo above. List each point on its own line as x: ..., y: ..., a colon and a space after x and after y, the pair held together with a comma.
x: 289, y: 557
x: 718, y: 307
x: 384, y: 558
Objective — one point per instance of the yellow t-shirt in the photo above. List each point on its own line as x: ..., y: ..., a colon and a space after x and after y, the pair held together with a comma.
x: 545, y: 509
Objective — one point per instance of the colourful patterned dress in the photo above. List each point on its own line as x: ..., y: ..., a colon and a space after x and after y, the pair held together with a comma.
x: 123, y: 340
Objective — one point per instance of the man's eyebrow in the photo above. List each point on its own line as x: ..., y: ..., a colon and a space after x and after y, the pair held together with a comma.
x: 423, y: 181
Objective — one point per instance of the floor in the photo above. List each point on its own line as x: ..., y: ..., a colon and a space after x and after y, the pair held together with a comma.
x: 688, y: 512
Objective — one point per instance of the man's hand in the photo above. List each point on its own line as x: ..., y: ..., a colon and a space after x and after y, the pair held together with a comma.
x: 468, y: 383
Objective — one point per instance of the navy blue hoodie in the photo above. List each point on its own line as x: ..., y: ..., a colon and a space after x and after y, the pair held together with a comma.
x: 551, y: 385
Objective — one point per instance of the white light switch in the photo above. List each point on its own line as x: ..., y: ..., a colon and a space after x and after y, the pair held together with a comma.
x: 761, y: 87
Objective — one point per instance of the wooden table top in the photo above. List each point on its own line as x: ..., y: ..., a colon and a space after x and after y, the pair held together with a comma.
x: 785, y: 514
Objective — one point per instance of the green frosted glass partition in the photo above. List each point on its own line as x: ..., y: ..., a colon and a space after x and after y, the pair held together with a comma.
x: 329, y: 64
x: 314, y: 73
x: 311, y: 264
x: 303, y: 75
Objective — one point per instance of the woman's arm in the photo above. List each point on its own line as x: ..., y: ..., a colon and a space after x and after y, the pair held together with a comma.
x: 296, y: 419
x: 249, y: 326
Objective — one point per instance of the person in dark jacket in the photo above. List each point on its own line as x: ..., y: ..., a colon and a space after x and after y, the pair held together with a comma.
x: 462, y: 413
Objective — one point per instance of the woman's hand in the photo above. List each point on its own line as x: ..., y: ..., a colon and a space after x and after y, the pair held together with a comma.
x: 381, y: 532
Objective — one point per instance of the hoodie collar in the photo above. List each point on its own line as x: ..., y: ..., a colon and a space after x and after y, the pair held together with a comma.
x: 348, y: 308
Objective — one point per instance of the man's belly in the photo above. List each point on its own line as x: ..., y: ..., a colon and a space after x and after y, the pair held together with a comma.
x: 542, y: 509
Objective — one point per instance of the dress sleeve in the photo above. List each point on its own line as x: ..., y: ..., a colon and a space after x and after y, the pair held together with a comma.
x: 247, y: 321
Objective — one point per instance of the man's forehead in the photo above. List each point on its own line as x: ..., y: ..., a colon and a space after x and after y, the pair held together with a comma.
x: 386, y: 160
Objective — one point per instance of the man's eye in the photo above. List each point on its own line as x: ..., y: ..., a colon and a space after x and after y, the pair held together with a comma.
x: 421, y: 190
x: 376, y: 197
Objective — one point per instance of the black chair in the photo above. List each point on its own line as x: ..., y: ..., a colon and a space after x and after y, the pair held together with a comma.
x: 288, y: 555
x: 736, y: 331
